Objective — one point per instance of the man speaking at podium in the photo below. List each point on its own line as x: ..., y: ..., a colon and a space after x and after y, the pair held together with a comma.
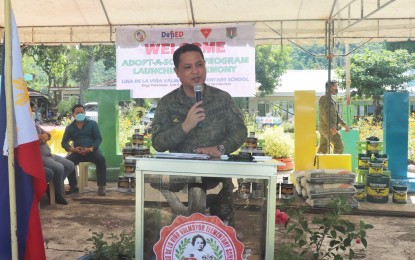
x: 212, y: 126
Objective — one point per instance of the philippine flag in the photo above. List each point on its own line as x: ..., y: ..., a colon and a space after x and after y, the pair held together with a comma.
x: 30, y: 177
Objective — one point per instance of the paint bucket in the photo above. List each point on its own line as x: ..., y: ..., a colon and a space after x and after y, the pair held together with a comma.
x: 132, y: 184
x: 129, y: 168
x: 127, y: 151
x: 376, y: 167
x: 363, y: 161
x: 377, y: 188
x: 384, y: 158
x: 287, y: 191
x: 360, y: 194
x: 258, y: 189
x: 123, y: 184
x: 138, y: 139
x: 399, y: 194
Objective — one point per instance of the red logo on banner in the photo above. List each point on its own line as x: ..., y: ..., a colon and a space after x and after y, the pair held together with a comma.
x: 198, y: 237
x: 206, y: 32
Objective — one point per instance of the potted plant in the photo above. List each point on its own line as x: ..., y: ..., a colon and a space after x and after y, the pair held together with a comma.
x: 280, y: 146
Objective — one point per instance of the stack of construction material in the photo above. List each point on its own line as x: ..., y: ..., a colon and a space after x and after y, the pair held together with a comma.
x: 319, y: 186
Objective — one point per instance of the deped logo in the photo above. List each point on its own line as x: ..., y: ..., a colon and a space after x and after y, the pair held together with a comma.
x: 172, y: 34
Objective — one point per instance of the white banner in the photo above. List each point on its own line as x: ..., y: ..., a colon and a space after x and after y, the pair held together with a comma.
x: 145, y: 58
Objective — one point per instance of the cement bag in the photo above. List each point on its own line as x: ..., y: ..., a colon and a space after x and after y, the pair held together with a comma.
x: 304, y: 182
x: 304, y: 193
x: 324, y: 202
x: 327, y: 190
x: 298, y: 184
x: 330, y: 176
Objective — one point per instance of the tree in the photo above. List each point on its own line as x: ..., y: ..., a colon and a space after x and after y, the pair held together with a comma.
x: 406, y: 45
x: 270, y: 64
x: 373, y: 73
x: 52, y: 60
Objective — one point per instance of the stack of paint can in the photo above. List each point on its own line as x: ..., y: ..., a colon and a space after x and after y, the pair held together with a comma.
x: 373, y: 166
x: 136, y: 148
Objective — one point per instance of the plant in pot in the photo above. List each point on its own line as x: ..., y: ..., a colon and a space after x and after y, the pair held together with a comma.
x: 280, y: 146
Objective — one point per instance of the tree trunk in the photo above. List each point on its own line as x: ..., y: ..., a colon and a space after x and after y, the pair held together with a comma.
x: 377, y: 109
x: 84, y: 84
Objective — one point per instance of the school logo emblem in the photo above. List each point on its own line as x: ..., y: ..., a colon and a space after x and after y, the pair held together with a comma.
x: 198, y: 237
x: 231, y: 32
x: 140, y: 35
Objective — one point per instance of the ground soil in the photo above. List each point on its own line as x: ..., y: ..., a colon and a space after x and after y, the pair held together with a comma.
x: 67, y: 228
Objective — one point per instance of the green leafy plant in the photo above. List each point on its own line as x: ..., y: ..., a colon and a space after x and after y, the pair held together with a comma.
x: 369, y: 126
x: 277, y: 143
x: 121, y: 246
x: 411, y: 137
x: 129, y: 120
x: 329, y: 235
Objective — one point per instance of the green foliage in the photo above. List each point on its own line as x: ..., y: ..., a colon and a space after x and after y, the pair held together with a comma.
x: 52, y: 60
x: 270, y: 64
x: 330, y: 231
x: 368, y: 126
x: 65, y: 106
x: 39, y: 76
x: 113, y: 246
x: 411, y: 138
x: 129, y: 120
x: 312, y: 58
x: 106, y: 54
x: 250, y: 123
x: 287, y: 252
x: 101, y: 74
x: 373, y: 73
x: 288, y: 127
x: 406, y: 45
x: 277, y: 143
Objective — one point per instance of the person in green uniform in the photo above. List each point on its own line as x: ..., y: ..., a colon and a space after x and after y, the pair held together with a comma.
x: 329, y: 121
x: 213, y: 126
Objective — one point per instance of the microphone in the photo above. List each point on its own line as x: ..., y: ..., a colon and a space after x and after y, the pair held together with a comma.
x: 198, y: 88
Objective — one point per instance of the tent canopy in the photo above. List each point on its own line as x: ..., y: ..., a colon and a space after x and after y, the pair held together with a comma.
x: 276, y: 21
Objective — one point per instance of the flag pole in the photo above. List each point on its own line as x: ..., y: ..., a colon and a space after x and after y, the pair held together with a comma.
x: 10, y: 126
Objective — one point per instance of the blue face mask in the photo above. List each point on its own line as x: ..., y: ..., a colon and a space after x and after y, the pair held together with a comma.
x: 80, y: 117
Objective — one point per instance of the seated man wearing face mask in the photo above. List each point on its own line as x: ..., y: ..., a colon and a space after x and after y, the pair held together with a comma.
x: 329, y: 120
x: 86, y: 138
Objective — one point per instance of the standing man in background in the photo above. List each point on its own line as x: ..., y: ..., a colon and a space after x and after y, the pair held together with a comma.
x: 329, y: 121
x: 213, y: 126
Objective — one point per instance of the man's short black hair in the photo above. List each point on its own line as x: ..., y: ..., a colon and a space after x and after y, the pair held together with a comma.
x: 332, y: 82
x: 183, y: 49
x: 76, y: 106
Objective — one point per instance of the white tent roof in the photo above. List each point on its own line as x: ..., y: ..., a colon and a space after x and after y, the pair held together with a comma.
x: 276, y: 21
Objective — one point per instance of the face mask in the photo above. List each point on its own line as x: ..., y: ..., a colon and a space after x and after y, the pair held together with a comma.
x: 80, y: 117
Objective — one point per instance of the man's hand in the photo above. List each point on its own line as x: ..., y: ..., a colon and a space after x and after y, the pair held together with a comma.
x: 194, y: 116
x: 347, y: 128
x: 43, y: 138
x: 211, y: 150
x: 333, y: 130
x: 86, y: 150
x: 77, y: 149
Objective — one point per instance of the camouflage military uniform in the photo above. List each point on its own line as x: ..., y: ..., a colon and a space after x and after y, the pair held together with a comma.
x: 327, y: 107
x: 223, y: 125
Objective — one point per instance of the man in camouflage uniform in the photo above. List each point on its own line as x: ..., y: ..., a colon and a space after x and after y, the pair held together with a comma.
x: 329, y: 121
x: 213, y: 126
